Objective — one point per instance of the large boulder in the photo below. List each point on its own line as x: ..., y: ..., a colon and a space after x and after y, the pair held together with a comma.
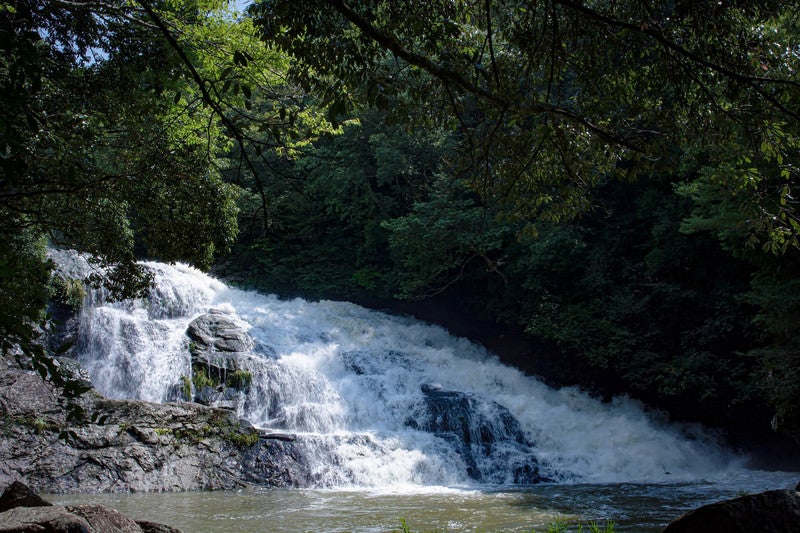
x: 55, y: 519
x: 122, y: 445
x: 482, y: 432
x: 775, y: 511
x: 277, y: 461
x: 220, y: 351
x: 25, y: 511
x: 20, y: 495
x: 216, y: 339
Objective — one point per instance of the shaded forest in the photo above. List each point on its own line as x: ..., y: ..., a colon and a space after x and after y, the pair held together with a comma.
x: 614, y: 179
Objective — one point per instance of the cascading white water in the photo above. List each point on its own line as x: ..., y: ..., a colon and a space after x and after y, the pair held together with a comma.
x: 380, y: 400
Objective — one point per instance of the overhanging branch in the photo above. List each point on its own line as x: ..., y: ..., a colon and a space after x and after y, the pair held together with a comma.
x: 453, y: 78
x: 208, y: 98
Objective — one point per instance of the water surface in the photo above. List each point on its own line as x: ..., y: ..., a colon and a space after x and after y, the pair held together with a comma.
x: 643, y: 508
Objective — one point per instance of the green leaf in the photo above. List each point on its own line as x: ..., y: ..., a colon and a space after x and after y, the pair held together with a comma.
x: 336, y: 109
x: 239, y: 59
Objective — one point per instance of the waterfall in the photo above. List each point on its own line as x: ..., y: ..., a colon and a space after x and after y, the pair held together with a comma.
x: 378, y: 400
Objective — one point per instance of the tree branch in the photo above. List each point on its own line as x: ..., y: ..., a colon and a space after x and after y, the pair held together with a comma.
x: 658, y: 36
x: 449, y: 76
x: 212, y: 102
x: 491, y: 45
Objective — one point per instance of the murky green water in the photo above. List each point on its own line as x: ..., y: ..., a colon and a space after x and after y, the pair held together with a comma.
x: 641, y: 508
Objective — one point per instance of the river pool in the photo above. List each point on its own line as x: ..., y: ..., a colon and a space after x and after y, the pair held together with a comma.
x: 633, y: 507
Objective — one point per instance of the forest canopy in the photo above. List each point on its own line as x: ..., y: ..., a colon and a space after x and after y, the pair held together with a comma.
x: 615, y: 178
x: 550, y: 98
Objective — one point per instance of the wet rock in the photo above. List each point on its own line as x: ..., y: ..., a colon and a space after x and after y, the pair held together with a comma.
x: 221, y: 397
x: 266, y: 434
x: 529, y: 473
x: 71, y: 370
x: 221, y: 352
x: 19, y: 495
x: 482, y: 432
x: 177, y: 393
x: 277, y: 462
x: 122, y: 445
x: 466, y: 416
x: 776, y: 511
x: 215, y: 335
x: 24, y: 511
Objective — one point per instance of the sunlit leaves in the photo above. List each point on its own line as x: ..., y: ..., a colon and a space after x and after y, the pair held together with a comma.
x: 107, y: 147
x: 543, y: 112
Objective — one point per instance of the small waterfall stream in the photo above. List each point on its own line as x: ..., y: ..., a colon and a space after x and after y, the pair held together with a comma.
x: 379, y: 400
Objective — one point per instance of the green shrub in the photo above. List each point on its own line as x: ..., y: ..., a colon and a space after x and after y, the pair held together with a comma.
x: 240, y: 379
x: 186, y: 387
x: 69, y: 291
x: 201, y: 379
x: 242, y: 440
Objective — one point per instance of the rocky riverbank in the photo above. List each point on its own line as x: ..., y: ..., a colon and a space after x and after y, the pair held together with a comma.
x: 22, y: 510
x: 94, y: 444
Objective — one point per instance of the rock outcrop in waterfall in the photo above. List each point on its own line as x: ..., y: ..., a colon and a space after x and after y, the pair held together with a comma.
x: 95, y: 444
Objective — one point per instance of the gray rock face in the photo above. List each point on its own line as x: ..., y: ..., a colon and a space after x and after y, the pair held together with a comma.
x: 477, y: 429
x: 119, y: 445
x: 216, y: 340
x: 220, y: 349
x: 277, y: 462
x: 775, y: 511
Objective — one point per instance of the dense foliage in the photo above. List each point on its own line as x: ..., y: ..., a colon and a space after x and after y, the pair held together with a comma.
x: 549, y: 98
x: 106, y: 148
x: 615, y: 178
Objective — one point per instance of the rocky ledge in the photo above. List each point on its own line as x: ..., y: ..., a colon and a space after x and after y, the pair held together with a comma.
x: 94, y: 444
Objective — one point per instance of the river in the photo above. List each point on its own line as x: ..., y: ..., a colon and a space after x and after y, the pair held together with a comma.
x: 640, y: 508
